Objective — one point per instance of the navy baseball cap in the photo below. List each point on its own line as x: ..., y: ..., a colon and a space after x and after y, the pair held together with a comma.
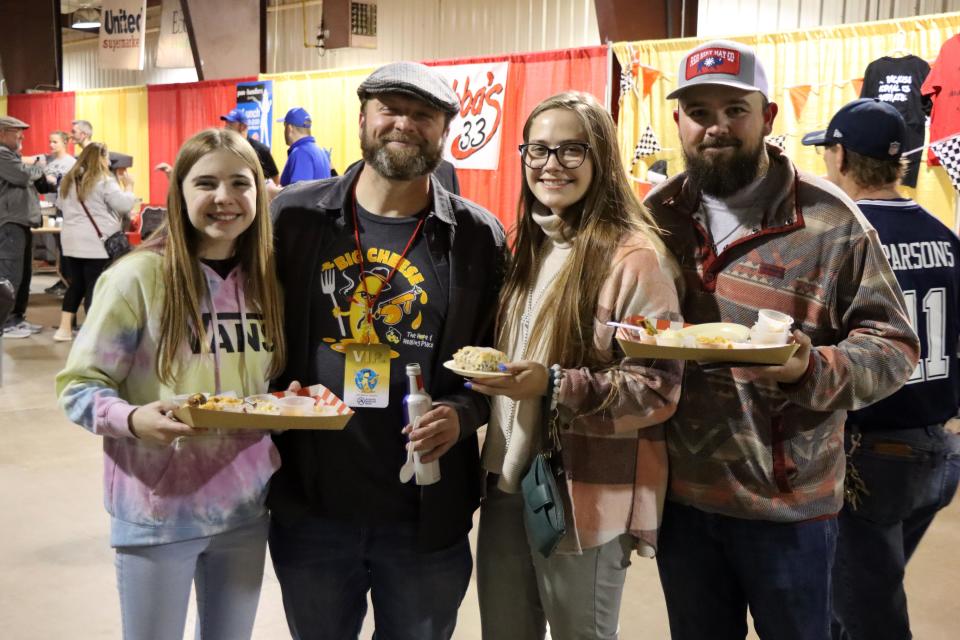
x: 867, y: 126
x: 235, y: 115
x: 297, y: 117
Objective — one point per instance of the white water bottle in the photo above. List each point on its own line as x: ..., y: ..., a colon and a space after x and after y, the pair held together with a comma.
x: 416, y: 403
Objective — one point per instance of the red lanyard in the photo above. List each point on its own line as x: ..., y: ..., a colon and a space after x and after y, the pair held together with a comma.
x: 363, y: 269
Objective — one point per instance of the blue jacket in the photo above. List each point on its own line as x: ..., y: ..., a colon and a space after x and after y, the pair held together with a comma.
x: 305, y: 161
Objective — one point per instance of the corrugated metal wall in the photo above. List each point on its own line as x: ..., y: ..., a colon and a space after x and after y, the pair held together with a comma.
x: 81, y: 71
x: 434, y: 29
x: 439, y: 29
x: 742, y: 17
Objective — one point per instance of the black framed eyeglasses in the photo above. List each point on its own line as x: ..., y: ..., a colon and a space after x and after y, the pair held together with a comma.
x: 570, y: 155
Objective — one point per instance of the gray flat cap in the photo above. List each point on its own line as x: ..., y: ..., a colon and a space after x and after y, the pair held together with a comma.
x: 9, y: 122
x: 414, y: 79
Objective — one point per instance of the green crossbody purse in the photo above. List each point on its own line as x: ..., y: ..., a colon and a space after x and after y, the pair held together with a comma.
x: 542, y: 501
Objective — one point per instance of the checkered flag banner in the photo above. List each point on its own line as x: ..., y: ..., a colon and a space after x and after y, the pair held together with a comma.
x: 627, y: 81
x: 778, y: 141
x: 948, y: 152
x: 647, y: 145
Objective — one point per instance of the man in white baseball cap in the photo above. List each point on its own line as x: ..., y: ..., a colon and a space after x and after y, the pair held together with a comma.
x: 756, y: 454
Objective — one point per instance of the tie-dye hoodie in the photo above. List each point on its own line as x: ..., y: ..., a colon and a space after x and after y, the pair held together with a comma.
x: 205, y: 484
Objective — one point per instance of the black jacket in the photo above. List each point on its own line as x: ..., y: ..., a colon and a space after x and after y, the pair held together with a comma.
x: 312, y: 214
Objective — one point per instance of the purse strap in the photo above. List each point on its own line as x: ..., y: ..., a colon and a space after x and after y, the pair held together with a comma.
x: 90, y: 217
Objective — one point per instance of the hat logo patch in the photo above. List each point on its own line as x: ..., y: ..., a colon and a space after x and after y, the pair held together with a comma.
x: 837, y: 134
x: 894, y: 148
x: 714, y: 60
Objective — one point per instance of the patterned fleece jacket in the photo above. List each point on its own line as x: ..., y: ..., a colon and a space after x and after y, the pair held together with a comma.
x: 202, y: 485
x: 746, y: 447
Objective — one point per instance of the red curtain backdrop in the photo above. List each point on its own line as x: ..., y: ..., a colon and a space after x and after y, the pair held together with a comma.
x: 176, y: 112
x: 531, y: 79
x: 45, y: 113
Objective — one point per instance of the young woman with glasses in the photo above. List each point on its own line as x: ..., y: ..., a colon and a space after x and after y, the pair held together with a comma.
x: 586, y: 253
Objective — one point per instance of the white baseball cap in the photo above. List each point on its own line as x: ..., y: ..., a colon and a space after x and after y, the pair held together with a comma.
x: 722, y: 62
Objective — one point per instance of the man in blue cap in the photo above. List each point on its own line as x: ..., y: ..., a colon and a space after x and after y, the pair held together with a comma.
x: 903, y: 464
x: 237, y: 121
x: 305, y: 161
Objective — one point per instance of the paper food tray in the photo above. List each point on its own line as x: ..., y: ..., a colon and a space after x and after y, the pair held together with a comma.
x: 629, y: 340
x: 212, y: 419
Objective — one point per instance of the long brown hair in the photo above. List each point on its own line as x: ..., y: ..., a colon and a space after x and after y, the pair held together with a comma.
x: 178, y: 242
x: 87, y: 172
x: 608, y: 212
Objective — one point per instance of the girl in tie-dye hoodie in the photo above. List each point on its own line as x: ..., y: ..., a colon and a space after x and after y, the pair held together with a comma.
x: 197, y: 308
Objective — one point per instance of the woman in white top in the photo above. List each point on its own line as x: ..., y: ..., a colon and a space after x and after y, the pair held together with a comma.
x: 89, y: 184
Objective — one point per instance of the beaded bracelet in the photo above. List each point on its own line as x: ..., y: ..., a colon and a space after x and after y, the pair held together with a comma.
x: 556, y: 378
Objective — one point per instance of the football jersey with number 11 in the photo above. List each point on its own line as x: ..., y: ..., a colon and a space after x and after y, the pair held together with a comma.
x: 925, y: 257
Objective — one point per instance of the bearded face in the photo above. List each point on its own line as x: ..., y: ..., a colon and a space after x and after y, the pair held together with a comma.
x: 723, y: 174
x: 409, y: 157
x: 401, y: 137
x: 721, y: 131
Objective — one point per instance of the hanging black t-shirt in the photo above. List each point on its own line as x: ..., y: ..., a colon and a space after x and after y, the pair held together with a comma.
x: 358, y: 468
x: 898, y: 81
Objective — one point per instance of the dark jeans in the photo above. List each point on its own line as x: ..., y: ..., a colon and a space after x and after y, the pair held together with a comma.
x: 910, y: 474
x: 326, y: 568
x: 82, y: 275
x: 16, y: 263
x: 713, y: 567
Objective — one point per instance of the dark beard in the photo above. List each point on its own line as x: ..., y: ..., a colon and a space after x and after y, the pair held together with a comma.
x: 405, y: 164
x: 723, y: 178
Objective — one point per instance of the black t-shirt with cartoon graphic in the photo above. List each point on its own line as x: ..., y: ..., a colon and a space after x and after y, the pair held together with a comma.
x: 358, y: 475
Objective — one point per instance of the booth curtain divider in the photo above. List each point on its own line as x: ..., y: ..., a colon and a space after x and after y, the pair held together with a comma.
x: 45, y: 113
x: 3, y: 105
x: 815, y: 70
x: 176, y: 112
x: 116, y: 115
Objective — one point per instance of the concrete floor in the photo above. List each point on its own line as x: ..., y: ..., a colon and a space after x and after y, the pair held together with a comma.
x: 56, y: 567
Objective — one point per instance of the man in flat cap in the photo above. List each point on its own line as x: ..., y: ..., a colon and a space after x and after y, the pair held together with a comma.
x: 19, y: 209
x: 382, y: 267
x: 900, y: 450
x: 756, y: 454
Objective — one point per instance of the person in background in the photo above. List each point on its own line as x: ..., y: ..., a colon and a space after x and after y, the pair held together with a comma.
x: 88, y: 191
x: 586, y: 252
x: 305, y: 160
x: 186, y: 505
x: 903, y: 464
x: 81, y: 133
x: 236, y: 121
x: 58, y: 163
x: 756, y: 453
x: 19, y: 211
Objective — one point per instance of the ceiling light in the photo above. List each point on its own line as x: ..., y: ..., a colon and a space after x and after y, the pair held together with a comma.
x: 86, y: 18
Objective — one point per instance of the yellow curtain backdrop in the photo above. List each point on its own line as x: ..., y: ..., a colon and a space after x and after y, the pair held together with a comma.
x: 831, y: 61
x: 3, y: 105
x: 119, y: 119
x: 330, y: 97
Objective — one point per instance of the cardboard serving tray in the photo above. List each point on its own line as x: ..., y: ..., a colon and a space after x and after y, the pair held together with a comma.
x: 629, y: 340
x: 212, y: 419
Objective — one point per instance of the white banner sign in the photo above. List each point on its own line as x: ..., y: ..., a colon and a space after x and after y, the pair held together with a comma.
x: 476, y: 132
x: 173, y: 48
x: 122, y: 40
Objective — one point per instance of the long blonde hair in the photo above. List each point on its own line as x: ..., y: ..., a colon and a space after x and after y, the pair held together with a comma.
x: 178, y: 242
x: 608, y: 212
x: 87, y: 172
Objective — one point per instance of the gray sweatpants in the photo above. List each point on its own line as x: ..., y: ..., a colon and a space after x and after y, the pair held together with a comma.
x: 520, y: 590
